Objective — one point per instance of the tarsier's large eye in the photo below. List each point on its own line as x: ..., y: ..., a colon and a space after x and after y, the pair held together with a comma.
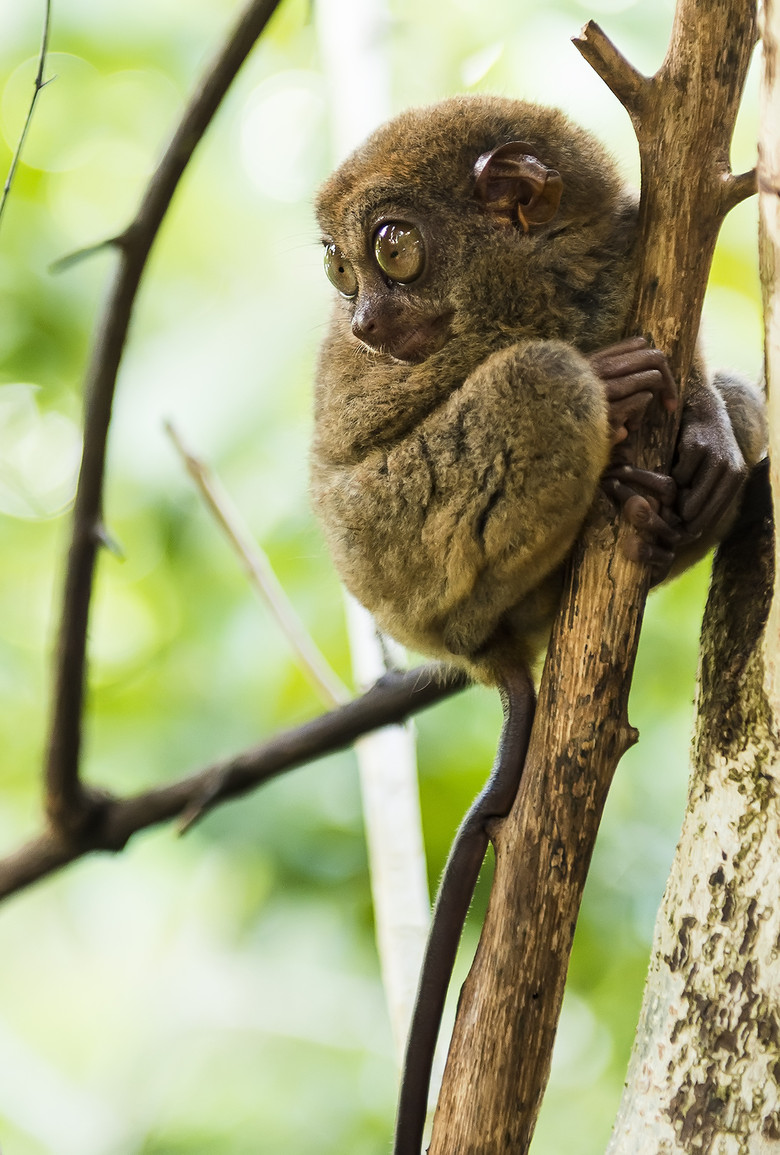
x: 340, y: 272
x: 400, y: 251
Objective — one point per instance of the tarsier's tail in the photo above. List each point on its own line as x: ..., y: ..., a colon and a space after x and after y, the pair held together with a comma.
x: 452, y: 904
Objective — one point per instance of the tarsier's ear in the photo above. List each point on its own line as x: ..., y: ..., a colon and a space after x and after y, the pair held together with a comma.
x: 514, y: 185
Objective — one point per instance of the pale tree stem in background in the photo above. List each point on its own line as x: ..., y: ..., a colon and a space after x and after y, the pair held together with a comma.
x: 260, y: 573
x: 352, y: 34
x: 391, y: 809
x: 769, y: 210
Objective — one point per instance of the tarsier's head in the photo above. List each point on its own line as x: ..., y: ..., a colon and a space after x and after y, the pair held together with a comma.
x: 435, y: 217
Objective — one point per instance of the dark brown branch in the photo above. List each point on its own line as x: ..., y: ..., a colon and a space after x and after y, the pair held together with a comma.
x: 62, y: 264
x: 39, y: 85
x: 501, y: 1049
x: 394, y: 698
x: 71, y: 807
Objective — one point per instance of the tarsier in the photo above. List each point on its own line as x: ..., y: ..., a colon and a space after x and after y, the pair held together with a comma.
x: 473, y: 392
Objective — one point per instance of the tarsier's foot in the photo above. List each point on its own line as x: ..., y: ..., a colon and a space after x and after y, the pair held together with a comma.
x: 647, y: 502
x: 709, y: 470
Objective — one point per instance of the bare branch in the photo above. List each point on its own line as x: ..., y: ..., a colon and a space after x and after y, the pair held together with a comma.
x: 258, y: 569
x: 39, y: 85
x: 114, y: 821
x: 62, y: 264
x: 739, y: 188
x: 71, y: 808
x: 628, y: 85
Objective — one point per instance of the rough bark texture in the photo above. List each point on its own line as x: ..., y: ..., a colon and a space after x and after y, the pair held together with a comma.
x: 500, y: 1053
x: 705, y: 1072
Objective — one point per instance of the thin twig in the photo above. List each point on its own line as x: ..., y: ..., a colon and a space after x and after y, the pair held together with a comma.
x: 258, y: 569
x: 40, y: 84
x: 62, y: 264
x: 114, y: 821
x: 70, y: 806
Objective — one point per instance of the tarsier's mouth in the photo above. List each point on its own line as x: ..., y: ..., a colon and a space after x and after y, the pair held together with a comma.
x: 411, y: 346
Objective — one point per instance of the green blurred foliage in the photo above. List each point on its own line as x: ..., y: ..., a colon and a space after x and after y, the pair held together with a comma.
x: 221, y: 993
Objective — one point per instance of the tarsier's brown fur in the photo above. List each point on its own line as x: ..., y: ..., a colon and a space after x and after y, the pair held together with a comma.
x: 452, y: 488
x: 466, y: 413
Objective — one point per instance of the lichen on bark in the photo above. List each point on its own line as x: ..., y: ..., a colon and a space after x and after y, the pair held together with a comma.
x: 705, y: 1073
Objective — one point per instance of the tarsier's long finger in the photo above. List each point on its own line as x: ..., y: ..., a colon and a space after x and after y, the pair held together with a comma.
x: 624, y: 385
x: 627, y: 362
x: 660, y: 485
x: 707, y: 491
x: 640, y: 514
x: 660, y: 560
x: 603, y: 358
x: 627, y: 414
x: 719, y: 497
x: 688, y: 466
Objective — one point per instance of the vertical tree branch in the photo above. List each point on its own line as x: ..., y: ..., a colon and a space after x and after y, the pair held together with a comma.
x: 501, y: 1049
x: 70, y: 806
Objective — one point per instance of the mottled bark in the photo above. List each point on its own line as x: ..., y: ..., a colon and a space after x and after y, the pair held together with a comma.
x: 705, y: 1072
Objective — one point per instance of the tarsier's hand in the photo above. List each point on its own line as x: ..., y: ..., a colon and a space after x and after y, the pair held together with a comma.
x: 634, y: 374
x: 648, y: 503
x: 667, y: 513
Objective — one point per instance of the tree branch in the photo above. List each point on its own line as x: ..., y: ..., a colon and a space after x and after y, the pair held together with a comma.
x: 628, y: 85
x: 500, y: 1054
x: 313, y: 663
x: 70, y: 805
x: 39, y: 85
x: 114, y: 821
x: 738, y: 188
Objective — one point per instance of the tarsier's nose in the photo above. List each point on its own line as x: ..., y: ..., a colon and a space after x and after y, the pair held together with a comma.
x: 365, y: 330
x: 368, y: 327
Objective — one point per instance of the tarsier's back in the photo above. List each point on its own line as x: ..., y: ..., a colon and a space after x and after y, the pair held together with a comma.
x: 481, y: 248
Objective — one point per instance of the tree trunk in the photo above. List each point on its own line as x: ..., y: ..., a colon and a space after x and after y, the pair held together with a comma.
x: 705, y: 1072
